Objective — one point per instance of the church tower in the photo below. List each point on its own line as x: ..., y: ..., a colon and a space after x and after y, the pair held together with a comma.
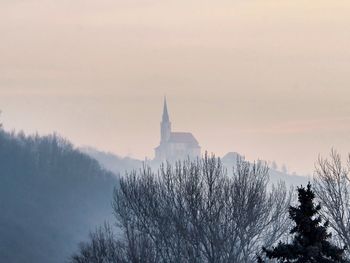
x: 165, y: 125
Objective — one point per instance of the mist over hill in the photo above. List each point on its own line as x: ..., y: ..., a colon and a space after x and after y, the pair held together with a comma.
x: 120, y: 165
x: 112, y: 162
x: 51, y: 196
x: 229, y: 160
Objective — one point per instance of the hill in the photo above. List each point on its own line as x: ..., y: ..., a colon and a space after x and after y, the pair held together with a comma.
x: 51, y: 196
x: 112, y: 162
x: 119, y: 165
x: 230, y: 159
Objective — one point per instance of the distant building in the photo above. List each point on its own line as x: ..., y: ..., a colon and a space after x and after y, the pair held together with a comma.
x: 175, y: 145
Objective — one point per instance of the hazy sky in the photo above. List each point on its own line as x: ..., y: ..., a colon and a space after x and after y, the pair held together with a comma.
x: 266, y: 78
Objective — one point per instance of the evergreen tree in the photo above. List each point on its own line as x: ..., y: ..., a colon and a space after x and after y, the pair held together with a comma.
x: 310, y: 237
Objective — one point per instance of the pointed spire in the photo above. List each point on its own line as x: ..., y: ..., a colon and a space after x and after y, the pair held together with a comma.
x: 165, y: 112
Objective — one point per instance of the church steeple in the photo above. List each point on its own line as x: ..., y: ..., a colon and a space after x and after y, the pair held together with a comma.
x: 165, y: 112
x: 165, y: 125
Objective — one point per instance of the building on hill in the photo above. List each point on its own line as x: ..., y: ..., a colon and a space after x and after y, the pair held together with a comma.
x: 175, y: 145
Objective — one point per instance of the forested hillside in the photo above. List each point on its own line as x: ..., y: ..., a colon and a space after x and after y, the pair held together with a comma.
x: 51, y: 196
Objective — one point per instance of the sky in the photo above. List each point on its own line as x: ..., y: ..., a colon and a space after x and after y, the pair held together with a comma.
x: 266, y: 78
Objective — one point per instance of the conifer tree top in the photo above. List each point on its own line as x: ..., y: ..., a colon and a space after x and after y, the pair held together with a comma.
x: 310, y: 237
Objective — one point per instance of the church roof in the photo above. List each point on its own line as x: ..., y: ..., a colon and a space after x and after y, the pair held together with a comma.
x: 183, y: 137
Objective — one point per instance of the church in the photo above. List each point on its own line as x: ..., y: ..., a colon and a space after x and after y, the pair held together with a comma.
x: 175, y: 145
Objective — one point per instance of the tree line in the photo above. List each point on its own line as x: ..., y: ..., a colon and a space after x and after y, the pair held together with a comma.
x: 197, y: 211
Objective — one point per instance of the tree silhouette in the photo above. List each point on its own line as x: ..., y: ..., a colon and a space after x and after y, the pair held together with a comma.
x: 310, y: 237
x: 192, y: 212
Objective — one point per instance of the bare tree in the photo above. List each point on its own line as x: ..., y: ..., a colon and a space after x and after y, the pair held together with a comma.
x: 192, y: 212
x: 332, y: 187
x: 102, y: 248
x: 195, y: 212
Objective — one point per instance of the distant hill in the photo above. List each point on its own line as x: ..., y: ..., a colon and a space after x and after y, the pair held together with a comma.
x: 112, y: 162
x: 51, y: 196
x: 230, y: 159
x: 119, y: 165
